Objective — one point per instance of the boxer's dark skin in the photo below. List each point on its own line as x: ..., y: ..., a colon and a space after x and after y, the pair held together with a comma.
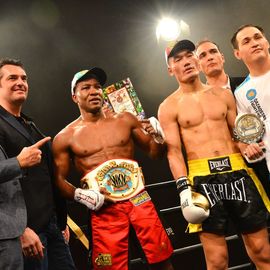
x: 93, y: 139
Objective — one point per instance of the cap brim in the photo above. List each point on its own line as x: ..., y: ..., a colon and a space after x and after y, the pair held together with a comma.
x: 95, y: 72
x: 182, y: 45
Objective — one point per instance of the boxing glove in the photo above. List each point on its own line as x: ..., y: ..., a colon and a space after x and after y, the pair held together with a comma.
x: 194, y: 206
x: 93, y: 199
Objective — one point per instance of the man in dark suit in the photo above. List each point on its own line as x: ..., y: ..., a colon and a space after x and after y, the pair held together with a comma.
x: 12, y: 213
x: 12, y: 205
x: 42, y: 241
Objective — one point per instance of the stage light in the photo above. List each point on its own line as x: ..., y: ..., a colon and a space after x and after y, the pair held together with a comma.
x: 168, y: 29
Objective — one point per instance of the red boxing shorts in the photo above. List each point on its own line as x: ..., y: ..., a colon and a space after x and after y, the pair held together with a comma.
x: 110, y: 230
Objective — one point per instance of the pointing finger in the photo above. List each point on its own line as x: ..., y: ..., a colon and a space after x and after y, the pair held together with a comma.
x: 40, y: 142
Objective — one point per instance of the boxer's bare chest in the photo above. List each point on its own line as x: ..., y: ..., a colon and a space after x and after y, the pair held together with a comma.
x: 93, y: 138
x: 193, y: 110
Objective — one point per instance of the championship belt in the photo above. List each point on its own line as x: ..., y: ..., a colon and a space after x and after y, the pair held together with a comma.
x: 121, y: 178
x: 249, y: 128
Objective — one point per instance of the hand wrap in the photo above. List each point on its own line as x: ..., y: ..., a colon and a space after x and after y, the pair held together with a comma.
x: 93, y: 199
x: 159, y: 138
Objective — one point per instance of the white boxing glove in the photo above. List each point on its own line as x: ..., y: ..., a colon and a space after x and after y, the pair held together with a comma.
x: 194, y: 206
x: 156, y: 126
x: 93, y: 199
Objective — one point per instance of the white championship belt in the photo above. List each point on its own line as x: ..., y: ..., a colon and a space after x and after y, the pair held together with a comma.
x: 121, y: 178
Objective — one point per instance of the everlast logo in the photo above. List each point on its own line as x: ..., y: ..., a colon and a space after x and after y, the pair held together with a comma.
x: 219, y: 165
x: 234, y: 191
x: 118, y: 180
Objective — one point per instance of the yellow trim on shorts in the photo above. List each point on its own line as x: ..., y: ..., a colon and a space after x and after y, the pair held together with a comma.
x: 199, y: 167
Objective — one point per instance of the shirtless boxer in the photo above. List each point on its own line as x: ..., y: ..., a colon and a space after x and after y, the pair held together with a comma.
x: 211, y: 61
x: 102, y: 149
x: 201, y: 117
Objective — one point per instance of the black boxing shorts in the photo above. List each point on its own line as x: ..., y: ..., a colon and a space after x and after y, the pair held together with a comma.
x: 233, y: 191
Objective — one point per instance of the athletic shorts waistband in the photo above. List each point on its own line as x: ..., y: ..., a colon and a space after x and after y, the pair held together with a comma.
x: 220, y: 164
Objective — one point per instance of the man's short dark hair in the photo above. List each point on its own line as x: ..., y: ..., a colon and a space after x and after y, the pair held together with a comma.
x: 205, y: 40
x: 10, y: 61
x: 234, y: 40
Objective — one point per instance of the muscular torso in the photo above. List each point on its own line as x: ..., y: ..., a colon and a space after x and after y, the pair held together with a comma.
x: 94, y: 143
x: 203, y: 125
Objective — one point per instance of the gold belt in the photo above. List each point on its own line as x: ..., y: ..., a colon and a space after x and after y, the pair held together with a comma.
x: 121, y: 178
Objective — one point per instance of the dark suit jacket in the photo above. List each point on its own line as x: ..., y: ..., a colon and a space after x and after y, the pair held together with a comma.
x: 16, y: 137
x: 12, y: 205
x: 235, y: 81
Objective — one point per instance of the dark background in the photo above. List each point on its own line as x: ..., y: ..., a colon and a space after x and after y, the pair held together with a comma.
x: 55, y: 39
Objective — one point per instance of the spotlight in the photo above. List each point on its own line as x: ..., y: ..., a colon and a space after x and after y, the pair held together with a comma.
x: 168, y: 29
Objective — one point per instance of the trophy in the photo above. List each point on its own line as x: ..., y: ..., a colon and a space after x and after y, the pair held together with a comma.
x: 249, y: 128
x: 120, y: 97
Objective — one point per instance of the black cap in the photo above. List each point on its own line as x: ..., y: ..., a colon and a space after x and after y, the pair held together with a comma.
x: 181, y: 45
